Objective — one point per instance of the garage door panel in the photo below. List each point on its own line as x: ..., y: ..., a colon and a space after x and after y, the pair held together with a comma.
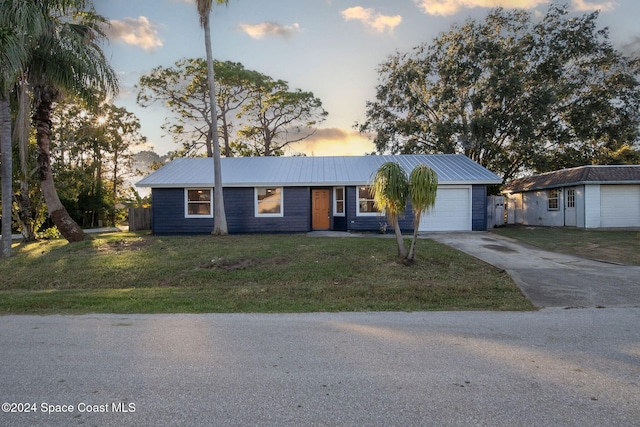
x: 452, y: 211
x: 620, y: 205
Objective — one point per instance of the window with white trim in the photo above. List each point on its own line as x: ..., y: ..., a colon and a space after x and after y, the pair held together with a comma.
x: 198, y: 203
x: 552, y: 200
x: 571, y: 198
x: 269, y: 201
x: 366, y: 206
x: 338, y: 201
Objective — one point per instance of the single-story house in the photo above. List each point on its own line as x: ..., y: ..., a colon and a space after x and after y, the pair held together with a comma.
x: 583, y: 197
x: 300, y: 194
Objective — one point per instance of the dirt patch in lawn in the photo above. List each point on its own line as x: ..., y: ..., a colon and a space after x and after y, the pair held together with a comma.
x: 124, y: 245
x: 241, y: 263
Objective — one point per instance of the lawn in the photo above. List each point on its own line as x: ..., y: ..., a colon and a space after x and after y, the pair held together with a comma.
x: 140, y: 273
x: 622, y: 247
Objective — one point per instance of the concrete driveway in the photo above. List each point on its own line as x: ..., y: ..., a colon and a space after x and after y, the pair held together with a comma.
x: 551, y: 279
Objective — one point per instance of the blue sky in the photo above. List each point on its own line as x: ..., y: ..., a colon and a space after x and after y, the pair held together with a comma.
x: 329, y: 47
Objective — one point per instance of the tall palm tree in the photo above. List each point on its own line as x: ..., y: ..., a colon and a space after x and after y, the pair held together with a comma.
x: 423, y: 187
x: 390, y: 189
x: 219, y: 216
x: 18, y: 20
x: 67, y: 58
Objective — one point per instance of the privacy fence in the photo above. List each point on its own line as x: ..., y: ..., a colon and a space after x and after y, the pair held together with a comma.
x: 139, y: 219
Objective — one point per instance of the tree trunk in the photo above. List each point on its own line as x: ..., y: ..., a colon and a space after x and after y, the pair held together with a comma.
x: 225, y: 137
x: 22, y: 126
x: 25, y: 213
x: 402, y: 250
x: 7, y: 188
x: 412, y: 249
x: 59, y: 215
x: 219, y: 216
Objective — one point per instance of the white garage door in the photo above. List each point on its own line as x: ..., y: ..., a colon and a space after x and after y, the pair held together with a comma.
x: 620, y: 205
x: 451, y: 213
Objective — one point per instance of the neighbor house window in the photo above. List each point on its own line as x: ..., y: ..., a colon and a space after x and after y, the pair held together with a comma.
x: 366, y: 205
x: 552, y: 201
x: 199, y: 203
x: 571, y: 198
x: 338, y: 201
x: 269, y: 202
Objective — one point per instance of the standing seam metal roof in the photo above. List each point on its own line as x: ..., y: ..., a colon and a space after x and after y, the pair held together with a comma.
x: 311, y: 171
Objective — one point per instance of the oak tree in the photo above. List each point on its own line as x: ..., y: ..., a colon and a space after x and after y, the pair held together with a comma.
x: 513, y: 93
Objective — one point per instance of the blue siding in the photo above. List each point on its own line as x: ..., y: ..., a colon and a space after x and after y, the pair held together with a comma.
x: 479, y: 208
x: 372, y: 223
x: 168, y: 213
x: 240, y: 209
x: 339, y: 223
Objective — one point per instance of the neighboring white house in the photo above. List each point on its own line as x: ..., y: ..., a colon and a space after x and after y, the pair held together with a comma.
x: 583, y: 197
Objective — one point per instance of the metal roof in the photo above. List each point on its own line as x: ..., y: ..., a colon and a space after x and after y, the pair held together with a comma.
x: 590, y: 174
x: 311, y: 171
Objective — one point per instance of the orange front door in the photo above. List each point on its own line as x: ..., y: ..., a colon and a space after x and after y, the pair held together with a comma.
x: 321, y: 209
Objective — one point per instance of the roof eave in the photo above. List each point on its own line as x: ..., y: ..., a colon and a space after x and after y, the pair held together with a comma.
x: 571, y: 184
x: 302, y: 184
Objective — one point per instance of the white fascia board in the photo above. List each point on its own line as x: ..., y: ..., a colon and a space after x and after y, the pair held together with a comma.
x: 294, y: 184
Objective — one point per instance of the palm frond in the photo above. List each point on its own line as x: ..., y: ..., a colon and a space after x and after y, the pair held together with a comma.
x: 68, y: 57
x: 423, y: 183
x: 390, y: 188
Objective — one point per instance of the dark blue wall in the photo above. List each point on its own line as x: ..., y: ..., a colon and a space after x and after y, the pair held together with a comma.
x: 340, y: 223
x: 239, y: 206
x: 372, y: 223
x: 168, y: 213
x: 479, y: 208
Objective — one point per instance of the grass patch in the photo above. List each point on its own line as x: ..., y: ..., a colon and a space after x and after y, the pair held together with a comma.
x: 621, y: 247
x: 139, y: 273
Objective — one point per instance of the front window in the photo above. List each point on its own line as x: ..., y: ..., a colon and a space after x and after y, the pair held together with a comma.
x: 338, y: 201
x: 199, y: 203
x: 269, y: 202
x: 366, y: 205
x: 552, y: 201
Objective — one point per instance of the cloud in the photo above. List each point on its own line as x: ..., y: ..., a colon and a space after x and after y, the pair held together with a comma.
x: 583, y: 5
x: 450, y: 7
x: 369, y: 17
x: 632, y: 48
x: 264, y: 29
x: 334, y: 142
x: 137, y: 32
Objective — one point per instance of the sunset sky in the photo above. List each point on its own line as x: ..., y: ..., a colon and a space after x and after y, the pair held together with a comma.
x: 329, y: 47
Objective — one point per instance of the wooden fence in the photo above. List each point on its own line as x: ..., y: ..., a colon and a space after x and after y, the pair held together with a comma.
x: 139, y: 219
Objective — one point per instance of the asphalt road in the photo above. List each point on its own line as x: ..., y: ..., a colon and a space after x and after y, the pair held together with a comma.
x: 553, y: 367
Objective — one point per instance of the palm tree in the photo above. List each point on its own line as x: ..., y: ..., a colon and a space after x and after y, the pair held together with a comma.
x: 18, y: 20
x: 390, y: 189
x: 423, y: 187
x: 66, y: 59
x: 219, y: 216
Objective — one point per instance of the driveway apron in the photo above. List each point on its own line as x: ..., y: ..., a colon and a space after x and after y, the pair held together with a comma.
x: 551, y: 279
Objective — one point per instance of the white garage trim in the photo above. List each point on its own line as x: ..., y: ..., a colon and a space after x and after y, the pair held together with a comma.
x: 452, y: 211
x: 620, y: 205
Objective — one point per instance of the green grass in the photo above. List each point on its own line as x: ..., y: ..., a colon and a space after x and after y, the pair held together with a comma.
x: 621, y: 247
x: 139, y: 273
